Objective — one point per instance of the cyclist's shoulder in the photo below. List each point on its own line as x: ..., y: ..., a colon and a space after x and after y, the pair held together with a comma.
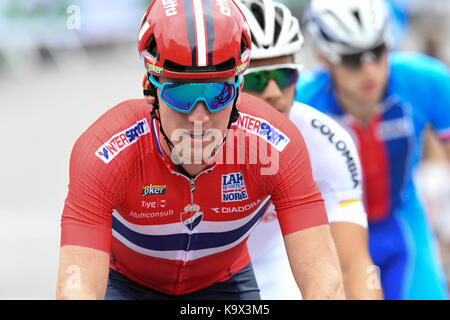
x: 251, y: 104
x: 270, y: 120
x: 405, y: 63
x: 257, y: 118
x: 126, y: 111
x: 419, y: 80
x: 311, y: 85
x: 116, y: 129
x: 313, y: 78
x: 318, y: 127
x: 119, y: 116
x: 305, y: 113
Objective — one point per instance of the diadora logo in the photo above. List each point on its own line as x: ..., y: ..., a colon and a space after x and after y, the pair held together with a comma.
x: 237, y: 209
x: 153, y: 190
x: 263, y: 129
x: 191, y: 216
x: 233, y: 187
x: 122, y: 140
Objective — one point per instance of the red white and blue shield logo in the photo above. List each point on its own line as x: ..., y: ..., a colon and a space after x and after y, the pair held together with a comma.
x: 192, y: 216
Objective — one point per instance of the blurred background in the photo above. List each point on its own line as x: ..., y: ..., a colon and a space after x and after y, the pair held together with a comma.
x: 64, y: 63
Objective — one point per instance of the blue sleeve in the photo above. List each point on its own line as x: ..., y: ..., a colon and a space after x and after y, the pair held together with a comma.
x: 311, y: 89
x: 438, y: 109
x: 428, y: 83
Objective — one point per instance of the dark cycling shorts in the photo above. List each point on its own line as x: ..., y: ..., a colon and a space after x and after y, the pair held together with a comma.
x: 241, y: 286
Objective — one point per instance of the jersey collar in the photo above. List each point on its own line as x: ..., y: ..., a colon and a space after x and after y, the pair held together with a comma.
x: 166, y: 159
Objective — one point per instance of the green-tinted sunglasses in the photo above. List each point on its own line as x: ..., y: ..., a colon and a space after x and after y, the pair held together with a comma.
x: 258, y: 80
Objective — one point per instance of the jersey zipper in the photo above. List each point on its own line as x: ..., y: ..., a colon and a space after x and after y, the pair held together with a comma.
x: 192, y: 188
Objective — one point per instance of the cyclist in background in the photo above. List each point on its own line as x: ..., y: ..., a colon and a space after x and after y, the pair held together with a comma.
x: 272, y: 76
x: 385, y: 100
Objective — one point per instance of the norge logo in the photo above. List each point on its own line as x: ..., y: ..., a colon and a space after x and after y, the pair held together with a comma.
x: 263, y: 129
x: 233, y: 187
x: 122, y: 140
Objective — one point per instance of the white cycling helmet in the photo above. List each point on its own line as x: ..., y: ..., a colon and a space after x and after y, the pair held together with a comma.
x: 274, y: 30
x: 346, y: 27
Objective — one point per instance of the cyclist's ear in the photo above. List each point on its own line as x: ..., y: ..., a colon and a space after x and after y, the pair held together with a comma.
x: 145, y: 82
x: 146, y: 86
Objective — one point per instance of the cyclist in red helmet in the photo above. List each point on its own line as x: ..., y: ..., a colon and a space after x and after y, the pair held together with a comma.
x: 146, y: 219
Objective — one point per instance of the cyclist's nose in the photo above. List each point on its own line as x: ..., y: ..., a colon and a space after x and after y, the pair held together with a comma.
x: 199, y: 113
x: 272, y: 91
x: 369, y: 67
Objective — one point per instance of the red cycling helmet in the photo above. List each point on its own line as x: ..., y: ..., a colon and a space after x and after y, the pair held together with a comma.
x: 194, y: 39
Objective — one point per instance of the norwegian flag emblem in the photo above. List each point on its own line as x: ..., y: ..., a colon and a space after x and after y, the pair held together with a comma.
x: 192, y: 216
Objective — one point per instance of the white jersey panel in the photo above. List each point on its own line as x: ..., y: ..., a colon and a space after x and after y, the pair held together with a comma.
x: 337, y: 172
x: 335, y: 164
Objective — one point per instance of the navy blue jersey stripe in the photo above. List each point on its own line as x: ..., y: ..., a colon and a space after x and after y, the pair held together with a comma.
x: 164, y: 242
x: 180, y: 241
x: 213, y: 239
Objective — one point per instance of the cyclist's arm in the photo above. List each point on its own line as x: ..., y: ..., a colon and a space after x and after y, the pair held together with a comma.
x: 314, y: 263
x: 435, y: 102
x: 94, y: 190
x: 360, y: 277
x: 82, y: 273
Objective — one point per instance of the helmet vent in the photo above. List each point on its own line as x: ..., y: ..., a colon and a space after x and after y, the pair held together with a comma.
x: 244, y: 46
x: 259, y: 15
x: 171, y: 66
x: 278, y: 23
x: 357, y: 16
x: 254, y: 40
x: 151, y: 47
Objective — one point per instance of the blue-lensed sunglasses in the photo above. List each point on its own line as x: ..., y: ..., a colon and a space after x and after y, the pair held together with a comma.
x: 184, y: 96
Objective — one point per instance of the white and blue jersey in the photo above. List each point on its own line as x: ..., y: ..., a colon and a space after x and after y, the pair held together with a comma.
x: 401, y: 241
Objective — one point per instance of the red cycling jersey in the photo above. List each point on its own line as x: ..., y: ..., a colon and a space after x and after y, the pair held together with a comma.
x: 172, y: 233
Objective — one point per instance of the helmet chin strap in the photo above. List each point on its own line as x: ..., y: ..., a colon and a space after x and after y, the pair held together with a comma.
x: 234, y: 116
x: 154, y: 114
